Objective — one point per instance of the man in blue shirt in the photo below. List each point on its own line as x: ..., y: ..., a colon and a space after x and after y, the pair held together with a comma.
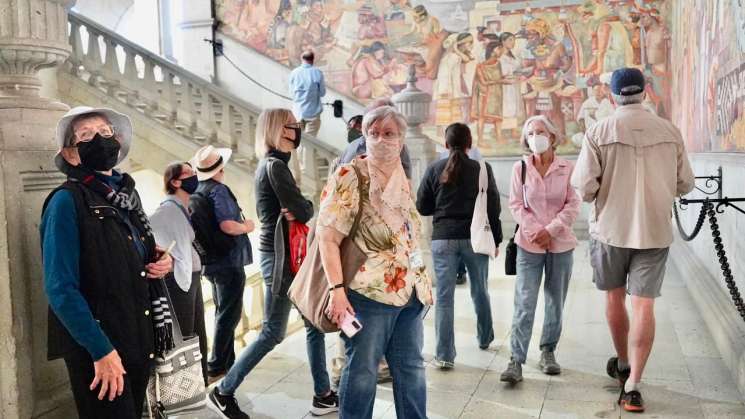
x: 307, y: 87
x: 227, y: 275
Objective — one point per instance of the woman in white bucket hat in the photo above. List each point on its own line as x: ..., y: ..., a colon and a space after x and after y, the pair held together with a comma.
x: 102, y: 270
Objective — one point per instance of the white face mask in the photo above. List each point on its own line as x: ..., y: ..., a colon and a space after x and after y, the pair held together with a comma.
x: 538, y: 144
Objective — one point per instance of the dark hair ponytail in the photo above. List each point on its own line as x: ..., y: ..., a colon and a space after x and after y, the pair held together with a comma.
x: 458, y: 140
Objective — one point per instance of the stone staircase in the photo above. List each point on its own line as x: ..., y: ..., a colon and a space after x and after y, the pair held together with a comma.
x: 183, y: 110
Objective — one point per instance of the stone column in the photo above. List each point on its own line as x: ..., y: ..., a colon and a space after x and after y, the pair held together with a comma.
x: 414, y: 106
x: 33, y: 36
x: 195, y: 27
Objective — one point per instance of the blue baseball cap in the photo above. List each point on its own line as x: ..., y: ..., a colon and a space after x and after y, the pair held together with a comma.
x: 627, y: 82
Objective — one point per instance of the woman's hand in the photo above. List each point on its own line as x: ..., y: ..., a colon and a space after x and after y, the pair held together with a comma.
x: 288, y: 215
x: 162, y: 266
x: 338, y: 306
x: 542, y: 238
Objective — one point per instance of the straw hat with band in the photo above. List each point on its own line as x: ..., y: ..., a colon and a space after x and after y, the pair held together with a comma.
x: 120, y: 123
x: 208, y: 161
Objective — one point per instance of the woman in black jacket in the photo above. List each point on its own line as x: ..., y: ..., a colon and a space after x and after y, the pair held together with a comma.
x: 277, y: 195
x: 448, y: 193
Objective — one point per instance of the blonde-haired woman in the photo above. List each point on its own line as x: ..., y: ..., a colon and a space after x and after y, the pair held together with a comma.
x: 277, y: 195
x: 545, y: 207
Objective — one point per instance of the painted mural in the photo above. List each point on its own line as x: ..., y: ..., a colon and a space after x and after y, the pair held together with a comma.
x: 709, y: 74
x: 490, y: 63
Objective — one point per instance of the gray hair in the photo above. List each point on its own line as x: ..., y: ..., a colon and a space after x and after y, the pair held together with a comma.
x: 382, y: 114
x: 383, y: 101
x: 552, y: 129
x: 628, y: 100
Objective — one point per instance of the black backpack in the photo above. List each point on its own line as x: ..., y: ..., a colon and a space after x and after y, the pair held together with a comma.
x: 211, y: 242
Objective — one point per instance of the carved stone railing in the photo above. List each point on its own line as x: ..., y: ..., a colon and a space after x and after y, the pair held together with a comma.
x: 179, y: 100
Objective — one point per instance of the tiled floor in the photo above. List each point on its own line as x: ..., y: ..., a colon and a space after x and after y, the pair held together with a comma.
x: 685, y: 377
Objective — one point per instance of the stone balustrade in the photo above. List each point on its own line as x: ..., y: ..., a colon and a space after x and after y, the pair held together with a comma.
x: 195, y: 108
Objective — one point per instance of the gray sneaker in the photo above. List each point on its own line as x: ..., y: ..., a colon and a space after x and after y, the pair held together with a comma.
x: 513, y: 374
x: 548, y: 363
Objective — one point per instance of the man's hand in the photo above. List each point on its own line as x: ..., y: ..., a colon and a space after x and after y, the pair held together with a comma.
x: 542, y: 238
x: 162, y: 266
x: 250, y: 226
x: 109, y: 373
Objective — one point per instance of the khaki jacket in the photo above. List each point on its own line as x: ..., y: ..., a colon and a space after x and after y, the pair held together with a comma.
x: 632, y: 166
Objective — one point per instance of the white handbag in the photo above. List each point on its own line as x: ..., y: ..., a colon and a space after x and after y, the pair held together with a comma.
x: 482, y: 239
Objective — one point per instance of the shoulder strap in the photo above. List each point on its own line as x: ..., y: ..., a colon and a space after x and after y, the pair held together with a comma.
x: 360, y: 191
x: 522, y: 172
x: 269, y: 164
x: 183, y: 211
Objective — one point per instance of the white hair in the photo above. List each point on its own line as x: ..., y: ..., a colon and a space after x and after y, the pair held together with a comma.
x: 552, y: 129
x: 384, y: 113
x: 628, y: 100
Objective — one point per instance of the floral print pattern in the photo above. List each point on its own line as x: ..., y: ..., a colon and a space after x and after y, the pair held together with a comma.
x: 387, y: 276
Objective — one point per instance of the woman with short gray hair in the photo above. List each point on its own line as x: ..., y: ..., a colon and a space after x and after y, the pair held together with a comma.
x: 545, y: 206
x: 390, y: 290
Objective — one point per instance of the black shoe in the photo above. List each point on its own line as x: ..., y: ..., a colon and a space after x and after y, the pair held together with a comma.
x: 613, y: 372
x: 460, y: 279
x: 225, y: 406
x: 631, y: 401
x: 325, y: 405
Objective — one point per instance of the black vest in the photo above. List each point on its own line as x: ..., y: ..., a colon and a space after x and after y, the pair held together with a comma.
x: 112, y: 280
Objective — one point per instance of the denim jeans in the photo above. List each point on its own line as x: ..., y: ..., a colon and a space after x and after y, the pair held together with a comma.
x: 227, y: 292
x: 530, y: 267
x: 397, y: 333
x: 273, y: 329
x: 446, y: 255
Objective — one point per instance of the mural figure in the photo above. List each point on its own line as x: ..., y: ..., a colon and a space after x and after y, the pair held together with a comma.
x: 369, y: 73
x: 486, y: 103
x: 611, y: 47
x: 594, y: 108
x: 396, y: 10
x: 298, y: 40
x: 277, y: 36
x: 451, y: 91
x: 430, y: 35
x: 550, y: 65
x: 513, y: 107
x: 656, y: 59
x: 371, y: 29
x: 319, y: 30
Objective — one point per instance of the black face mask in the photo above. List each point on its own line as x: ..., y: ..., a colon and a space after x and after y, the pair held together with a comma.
x: 99, y: 154
x: 189, y: 184
x: 298, y: 134
x: 353, y: 134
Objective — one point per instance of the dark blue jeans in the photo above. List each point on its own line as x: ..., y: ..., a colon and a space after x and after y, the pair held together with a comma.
x: 227, y: 293
x: 446, y: 255
x: 397, y: 333
x: 273, y: 329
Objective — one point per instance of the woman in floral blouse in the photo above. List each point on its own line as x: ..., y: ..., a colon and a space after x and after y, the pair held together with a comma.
x: 391, y: 289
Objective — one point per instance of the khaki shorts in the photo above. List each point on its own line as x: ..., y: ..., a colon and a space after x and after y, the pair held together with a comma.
x: 640, y: 271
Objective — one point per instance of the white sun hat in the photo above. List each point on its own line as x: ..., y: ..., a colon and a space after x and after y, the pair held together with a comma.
x: 121, y: 124
x: 208, y: 161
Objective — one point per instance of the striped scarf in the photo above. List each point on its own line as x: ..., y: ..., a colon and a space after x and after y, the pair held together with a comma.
x: 127, y: 199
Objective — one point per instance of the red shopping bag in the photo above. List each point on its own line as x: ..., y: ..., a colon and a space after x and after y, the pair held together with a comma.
x: 298, y: 244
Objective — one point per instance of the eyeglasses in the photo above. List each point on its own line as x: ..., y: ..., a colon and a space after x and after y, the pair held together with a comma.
x: 86, y: 135
x: 293, y: 126
x: 386, y: 135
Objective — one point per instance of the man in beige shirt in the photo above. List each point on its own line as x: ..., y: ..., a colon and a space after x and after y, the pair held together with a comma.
x: 632, y: 166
